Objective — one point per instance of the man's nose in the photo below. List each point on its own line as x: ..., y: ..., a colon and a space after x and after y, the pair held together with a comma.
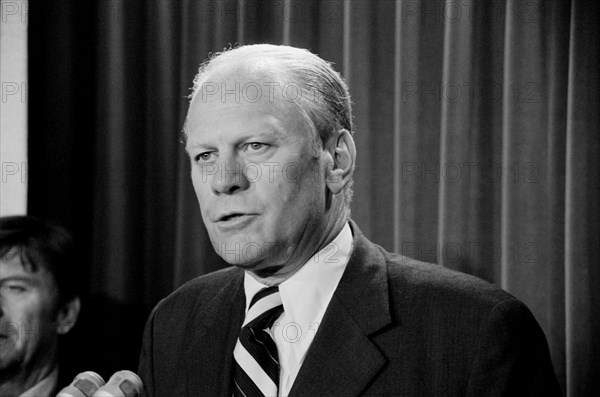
x: 230, y: 178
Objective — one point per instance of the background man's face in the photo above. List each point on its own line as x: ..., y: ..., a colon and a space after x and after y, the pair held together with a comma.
x: 261, y: 190
x: 27, y: 314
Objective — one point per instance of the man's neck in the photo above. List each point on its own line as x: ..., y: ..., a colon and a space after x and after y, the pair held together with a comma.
x: 288, y: 271
x: 14, y: 383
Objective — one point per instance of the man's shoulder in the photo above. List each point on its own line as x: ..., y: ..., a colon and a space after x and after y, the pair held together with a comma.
x: 199, y: 291
x: 439, y: 286
x: 416, y: 284
x: 435, y: 300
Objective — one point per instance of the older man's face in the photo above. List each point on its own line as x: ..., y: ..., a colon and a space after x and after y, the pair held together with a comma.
x: 261, y: 190
x: 28, y: 302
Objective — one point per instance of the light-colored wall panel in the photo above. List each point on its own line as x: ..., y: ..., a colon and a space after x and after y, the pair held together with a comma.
x: 13, y: 107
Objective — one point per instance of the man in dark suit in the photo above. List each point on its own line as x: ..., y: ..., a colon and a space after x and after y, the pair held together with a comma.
x: 311, y: 307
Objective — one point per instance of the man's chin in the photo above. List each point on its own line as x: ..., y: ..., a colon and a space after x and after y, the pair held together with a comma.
x: 241, y: 252
x: 258, y: 266
x: 7, y: 356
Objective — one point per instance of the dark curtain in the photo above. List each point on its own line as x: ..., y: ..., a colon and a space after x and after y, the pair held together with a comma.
x: 477, y: 130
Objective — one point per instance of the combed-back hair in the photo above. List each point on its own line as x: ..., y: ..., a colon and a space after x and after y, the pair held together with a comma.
x: 325, y: 95
x: 41, y: 245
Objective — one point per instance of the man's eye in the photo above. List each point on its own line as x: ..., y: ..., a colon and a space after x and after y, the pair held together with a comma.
x: 256, y: 146
x: 16, y: 288
x: 203, y: 157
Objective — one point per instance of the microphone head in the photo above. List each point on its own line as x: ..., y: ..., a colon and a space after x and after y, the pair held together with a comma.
x: 121, y: 384
x: 85, y: 384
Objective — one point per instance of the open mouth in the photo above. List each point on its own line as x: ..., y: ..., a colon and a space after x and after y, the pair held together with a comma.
x: 230, y: 217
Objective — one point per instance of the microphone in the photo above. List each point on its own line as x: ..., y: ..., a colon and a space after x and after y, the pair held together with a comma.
x: 121, y: 384
x: 85, y: 384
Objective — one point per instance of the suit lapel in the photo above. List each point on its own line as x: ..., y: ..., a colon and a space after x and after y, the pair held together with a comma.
x: 213, y: 331
x: 342, y: 360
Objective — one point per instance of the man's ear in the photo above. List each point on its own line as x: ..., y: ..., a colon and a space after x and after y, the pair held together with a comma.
x: 67, y: 316
x: 343, y: 153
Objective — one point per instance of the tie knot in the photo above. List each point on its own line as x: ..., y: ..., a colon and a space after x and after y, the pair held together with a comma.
x: 265, y: 307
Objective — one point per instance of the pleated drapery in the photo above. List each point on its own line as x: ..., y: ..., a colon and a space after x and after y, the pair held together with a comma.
x: 477, y: 131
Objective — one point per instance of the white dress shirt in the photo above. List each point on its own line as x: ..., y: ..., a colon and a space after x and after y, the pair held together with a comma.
x: 305, y: 297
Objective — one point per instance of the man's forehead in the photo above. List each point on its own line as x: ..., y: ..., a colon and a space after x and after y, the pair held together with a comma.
x: 249, y: 67
x: 231, y: 127
x: 244, y: 93
x: 267, y: 93
x: 249, y: 79
x: 14, y: 264
x: 230, y: 105
x: 220, y: 108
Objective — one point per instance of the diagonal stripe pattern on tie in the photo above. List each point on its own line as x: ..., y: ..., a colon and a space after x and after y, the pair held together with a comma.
x: 256, y: 362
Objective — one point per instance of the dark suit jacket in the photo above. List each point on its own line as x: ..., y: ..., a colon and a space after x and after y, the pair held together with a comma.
x: 395, y: 326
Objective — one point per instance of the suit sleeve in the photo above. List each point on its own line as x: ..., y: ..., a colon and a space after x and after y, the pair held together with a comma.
x: 512, y: 358
x: 146, y: 364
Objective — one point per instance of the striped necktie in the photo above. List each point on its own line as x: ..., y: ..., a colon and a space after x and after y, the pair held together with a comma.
x: 256, y: 366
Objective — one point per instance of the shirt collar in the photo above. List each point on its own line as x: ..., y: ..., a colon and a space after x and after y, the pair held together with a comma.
x: 306, y: 294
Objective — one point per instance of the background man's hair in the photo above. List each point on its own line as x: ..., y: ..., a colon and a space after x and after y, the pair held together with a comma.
x: 324, y: 98
x: 41, y: 245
